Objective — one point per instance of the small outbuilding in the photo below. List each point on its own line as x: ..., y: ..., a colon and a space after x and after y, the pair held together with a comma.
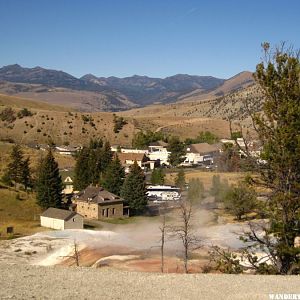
x: 61, y: 219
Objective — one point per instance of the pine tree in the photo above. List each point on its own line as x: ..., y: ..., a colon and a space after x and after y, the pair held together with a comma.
x: 26, y: 179
x: 14, y: 168
x: 158, y: 176
x: 106, y: 156
x: 113, y: 177
x: 49, y: 184
x: 278, y: 129
x: 196, y: 190
x: 91, y: 162
x: 177, y: 151
x: 82, y: 170
x: 180, y: 179
x: 134, y: 189
x: 240, y: 200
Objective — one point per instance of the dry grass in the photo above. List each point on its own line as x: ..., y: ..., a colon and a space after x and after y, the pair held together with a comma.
x: 206, y: 177
x: 22, y: 214
x: 18, y: 102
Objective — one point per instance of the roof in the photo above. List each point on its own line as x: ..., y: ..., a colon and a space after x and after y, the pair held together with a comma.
x: 203, y: 148
x: 131, y: 156
x: 60, y: 214
x: 158, y: 143
x: 97, y: 195
x: 66, y: 148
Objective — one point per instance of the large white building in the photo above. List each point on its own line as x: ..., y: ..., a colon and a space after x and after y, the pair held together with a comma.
x: 61, y: 219
x: 158, y: 152
x: 202, y: 153
x: 161, y: 193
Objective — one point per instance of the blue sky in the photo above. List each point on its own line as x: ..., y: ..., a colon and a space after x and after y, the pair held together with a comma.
x: 156, y: 38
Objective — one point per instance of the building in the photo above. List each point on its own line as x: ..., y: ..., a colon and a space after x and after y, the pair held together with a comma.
x: 128, y: 159
x: 97, y: 203
x: 125, y: 150
x: 158, y: 152
x: 68, y: 185
x: 161, y: 193
x: 67, y: 150
x: 61, y: 219
x: 202, y: 153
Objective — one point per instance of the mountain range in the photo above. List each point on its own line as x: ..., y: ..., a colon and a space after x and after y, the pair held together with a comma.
x: 91, y: 93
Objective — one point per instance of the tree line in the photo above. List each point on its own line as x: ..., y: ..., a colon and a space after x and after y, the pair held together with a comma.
x: 97, y: 165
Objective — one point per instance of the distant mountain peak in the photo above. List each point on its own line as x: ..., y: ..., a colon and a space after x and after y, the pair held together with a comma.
x: 137, y: 89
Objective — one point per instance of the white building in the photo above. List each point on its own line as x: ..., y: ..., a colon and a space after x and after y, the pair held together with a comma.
x: 125, y: 150
x: 61, y: 219
x: 67, y: 150
x: 68, y: 185
x: 158, y: 152
x: 202, y: 153
x: 160, y: 193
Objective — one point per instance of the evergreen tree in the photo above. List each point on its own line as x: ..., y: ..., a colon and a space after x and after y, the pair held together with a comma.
x: 26, y: 179
x: 82, y: 171
x: 219, y: 188
x: 240, y: 200
x: 180, y: 179
x: 106, y: 156
x: 113, y: 177
x: 158, y: 177
x: 196, y: 190
x: 15, y: 167
x: 278, y: 129
x: 91, y: 162
x: 134, y: 189
x: 95, y: 152
x: 49, y: 184
x: 177, y: 150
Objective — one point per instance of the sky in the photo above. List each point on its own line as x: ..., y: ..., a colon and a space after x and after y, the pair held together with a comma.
x: 156, y: 38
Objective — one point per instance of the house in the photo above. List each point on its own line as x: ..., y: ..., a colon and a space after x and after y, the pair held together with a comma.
x: 97, y: 203
x: 202, y: 153
x: 61, y: 219
x: 128, y: 159
x: 125, y: 150
x: 68, y: 185
x: 161, y: 193
x: 66, y: 150
x: 158, y: 152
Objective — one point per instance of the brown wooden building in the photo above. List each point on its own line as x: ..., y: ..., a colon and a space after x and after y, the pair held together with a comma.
x: 97, y: 203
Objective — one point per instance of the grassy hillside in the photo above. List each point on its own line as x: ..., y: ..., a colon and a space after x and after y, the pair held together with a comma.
x: 22, y: 214
x: 184, y: 119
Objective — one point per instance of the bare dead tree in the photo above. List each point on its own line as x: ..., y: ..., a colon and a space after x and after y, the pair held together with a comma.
x: 162, y: 229
x: 185, y: 231
x: 76, y: 254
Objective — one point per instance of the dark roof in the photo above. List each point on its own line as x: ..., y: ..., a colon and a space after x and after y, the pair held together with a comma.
x: 131, y: 156
x: 60, y: 214
x: 97, y: 195
x: 159, y: 143
x: 204, y: 148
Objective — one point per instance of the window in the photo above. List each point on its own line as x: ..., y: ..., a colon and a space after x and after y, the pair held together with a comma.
x: 103, y: 212
x: 73, y: 219
x: 113, y: 211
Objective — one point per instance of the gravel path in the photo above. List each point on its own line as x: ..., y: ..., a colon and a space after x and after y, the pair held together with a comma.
x: 32, y: 282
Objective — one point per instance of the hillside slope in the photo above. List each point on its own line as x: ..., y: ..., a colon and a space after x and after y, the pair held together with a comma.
x: 235, y: 83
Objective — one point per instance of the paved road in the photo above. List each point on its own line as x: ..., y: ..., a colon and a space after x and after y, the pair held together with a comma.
x: 32, y: 282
